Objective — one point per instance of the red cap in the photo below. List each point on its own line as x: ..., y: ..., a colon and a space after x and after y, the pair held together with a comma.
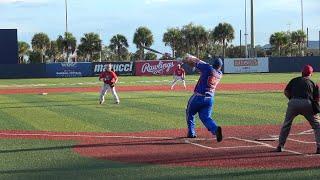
x: 307, y: 70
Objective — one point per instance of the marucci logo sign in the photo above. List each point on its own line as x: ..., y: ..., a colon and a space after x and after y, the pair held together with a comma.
x: 121, y: 68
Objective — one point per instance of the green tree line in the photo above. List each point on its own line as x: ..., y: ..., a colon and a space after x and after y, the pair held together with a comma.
x: 190, y: 38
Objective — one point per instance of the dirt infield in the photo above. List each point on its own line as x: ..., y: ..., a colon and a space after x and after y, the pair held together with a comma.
x: 222, y: 87
x: 239, y: 149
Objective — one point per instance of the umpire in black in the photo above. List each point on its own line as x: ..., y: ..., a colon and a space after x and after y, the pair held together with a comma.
x: 302, y: 93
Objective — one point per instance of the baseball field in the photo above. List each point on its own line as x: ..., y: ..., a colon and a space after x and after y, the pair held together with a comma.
x: 56, y: 129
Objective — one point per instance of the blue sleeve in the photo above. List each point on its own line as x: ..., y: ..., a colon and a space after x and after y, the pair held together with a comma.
x: 203, y: 67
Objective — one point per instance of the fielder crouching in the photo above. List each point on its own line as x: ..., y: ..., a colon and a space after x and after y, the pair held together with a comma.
x: 109, y: 78
x: 179, y: 75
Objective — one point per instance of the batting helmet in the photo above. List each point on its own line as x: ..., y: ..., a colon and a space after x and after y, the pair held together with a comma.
x: 217, y: 63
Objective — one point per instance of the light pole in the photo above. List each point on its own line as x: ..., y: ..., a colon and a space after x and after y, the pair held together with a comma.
x: 302, y: 26
x: 101, y: 45
x: 246, y: 29
x: 66, y: 33
x: 302, y: 21
x: 252, y: 31
x: 66, y: 7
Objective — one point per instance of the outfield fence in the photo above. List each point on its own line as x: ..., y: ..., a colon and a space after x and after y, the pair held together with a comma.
x: 151, y: 68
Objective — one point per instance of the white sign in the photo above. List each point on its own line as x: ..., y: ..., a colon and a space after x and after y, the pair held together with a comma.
x: 246, y: 65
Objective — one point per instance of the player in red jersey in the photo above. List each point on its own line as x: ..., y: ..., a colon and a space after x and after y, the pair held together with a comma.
x: 179, y: 75
x: 109, y: 79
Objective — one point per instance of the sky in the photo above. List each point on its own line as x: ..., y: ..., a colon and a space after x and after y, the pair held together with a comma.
x: 110, y: 17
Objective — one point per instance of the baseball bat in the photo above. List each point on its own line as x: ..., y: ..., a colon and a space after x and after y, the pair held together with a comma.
x: 153, y: 50
x: 158, y: 52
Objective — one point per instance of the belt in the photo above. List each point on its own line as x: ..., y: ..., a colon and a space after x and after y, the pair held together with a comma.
x: 299, y: 98
x: 204, y: 95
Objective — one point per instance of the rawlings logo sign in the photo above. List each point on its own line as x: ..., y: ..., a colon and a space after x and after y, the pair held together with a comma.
x: 157, y: 68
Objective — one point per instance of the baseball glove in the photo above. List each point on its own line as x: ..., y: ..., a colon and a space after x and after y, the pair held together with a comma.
x: 112, y: 85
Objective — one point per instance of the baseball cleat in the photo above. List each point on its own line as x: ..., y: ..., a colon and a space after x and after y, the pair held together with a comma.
x: 219, y: 134
x: 279, y: 149
x: 192, y: 136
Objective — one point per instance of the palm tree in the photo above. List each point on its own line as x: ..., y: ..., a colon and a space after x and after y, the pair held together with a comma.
x: 201, y: 38
x: 40, y: 42
x: 223, y: 33
x: 299, y: 38
x: 23, y: 49
x: 119, y: 45
x: 53, y: 51
x: 173, y: 38
x: 66, y: 43
x: 279, y: 40
x: 188, y: 41
x: 90, y: 44
x: 142, y: 37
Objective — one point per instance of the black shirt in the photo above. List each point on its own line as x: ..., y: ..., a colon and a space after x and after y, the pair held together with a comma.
x: 302, y: 87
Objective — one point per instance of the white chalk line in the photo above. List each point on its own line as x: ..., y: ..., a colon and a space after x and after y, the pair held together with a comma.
x: 82, y: 135
x: 218, y: 148
x: 259, y: 144
x: 86, y: 83
x: 268, y: 145
x: 310, y: 131
x: 301, y: 141
x: 129, y: 137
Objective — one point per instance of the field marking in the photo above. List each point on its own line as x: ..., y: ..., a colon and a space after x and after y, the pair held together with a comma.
x: 310, y: 131
x: 268, y: 145
x: 218, y: 148
x: 82, y: 135
x: 259, y: 144
x: 301, y: 141
x: 87, y: 83
x: 296, y: 140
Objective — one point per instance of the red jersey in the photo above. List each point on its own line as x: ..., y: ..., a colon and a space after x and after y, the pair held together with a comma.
x: 109, y: 77
x: 179, y: 72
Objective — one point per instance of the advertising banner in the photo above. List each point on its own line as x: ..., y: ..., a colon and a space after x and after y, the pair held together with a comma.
x: 246, y: 65
x: 150, y: 68
x: 121, y: 68
x: 65, y: 70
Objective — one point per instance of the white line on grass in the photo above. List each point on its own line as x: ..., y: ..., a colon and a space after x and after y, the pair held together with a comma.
x: 82, y: 135
x: 86, y: 83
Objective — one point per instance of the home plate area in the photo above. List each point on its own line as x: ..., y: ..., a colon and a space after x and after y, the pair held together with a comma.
x: 244, y: 148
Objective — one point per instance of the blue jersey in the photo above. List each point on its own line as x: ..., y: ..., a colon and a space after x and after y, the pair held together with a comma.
x: 209, y: 79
